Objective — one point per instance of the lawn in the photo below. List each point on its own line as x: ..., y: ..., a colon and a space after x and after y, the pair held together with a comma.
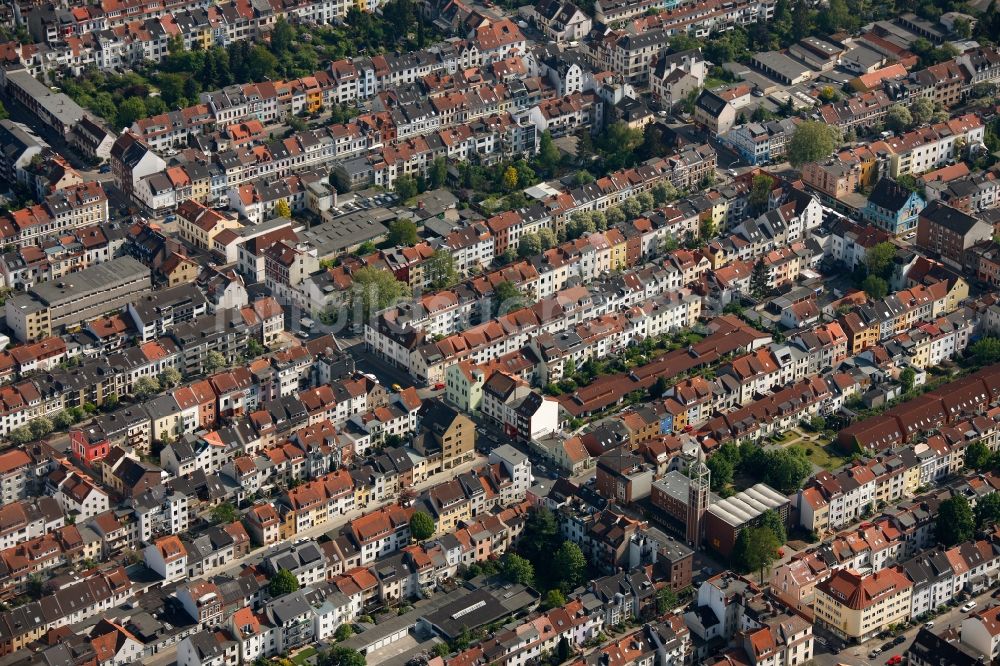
x: 785, y: 437
x: 711, y: 83
x: 303, y: 655
x: 826, y: 457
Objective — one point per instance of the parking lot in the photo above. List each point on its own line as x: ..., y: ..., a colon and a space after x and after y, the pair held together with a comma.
x: 365, y: 200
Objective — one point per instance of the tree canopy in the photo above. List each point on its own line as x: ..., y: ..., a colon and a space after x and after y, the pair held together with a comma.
x: 375, y: 289
x: 282, y: 582
x: 518, y: 569
x: 756, y: 549
x: 955, y: 522
x: 421, y: 526
x: 812, y: 141
x: 403, y: 232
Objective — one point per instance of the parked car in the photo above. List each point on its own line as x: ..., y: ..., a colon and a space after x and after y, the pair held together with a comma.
x: 898, y: 640
x: 397, y: 388
x: 929, y: 625
x: 874, y: 653
x: 105, y: 168
x: 887, y: 646
x: 969, y: 606
x: 894, y: 660
x: 439, y: 386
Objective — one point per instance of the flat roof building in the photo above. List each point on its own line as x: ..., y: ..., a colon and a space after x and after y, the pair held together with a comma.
x: 725, y: 519
x: 76, y: 298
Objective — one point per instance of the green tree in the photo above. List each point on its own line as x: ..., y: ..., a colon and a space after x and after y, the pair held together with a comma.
x: 978, y: 456
x: 666, y: 600
x: 541, y: 534
x: 554, y: 598
x: 786, y: 469
x: 548, y: 158
x: 169, y: 378
x: 129, y: 111
x: 41, y: 427
x: 225, y: 513
x: 422, y: 526
x: 563, y: 650
x: 875, y: 287
x: 631, y: 208
x: 546, y: 238
x: 21, y: 435
x: 405, y: 187
x: 812, y: 141
x: 772, y: 521
x: 658, y: 388
x: 955, y: 522
x: 987, y: 510
x: 111, y: 400
x: 438, y: 172
x: 63, y: 420
x: 570, y: 564
x: 282, y: 582
x: 343, y: 632
x: 35, y: 587
x: 986, y: 350
x: 518, y: 569
x: 835, y: 17
x: 614, y: 216
x: 214, y: 361
x: 760, y: 192
x: 254, y: 348
x: 721, y: 472
x: 879, y: 258
x: 907, y: 377
x: 145, y: 387
x: 403, y: 232
x: 756, y: 549
x: 507, y: 298
x: 440, y: 270
x: 282, y: 36
x: 759, y: 280
x: 580, y: 222
x: 340, y: 656
x: 663, y: 192
x: 898, y: 118
x: 706, y: 228
x: 529, y: 245
x: 922, y: 110
x: 618, y: 145
x: 375, y: 289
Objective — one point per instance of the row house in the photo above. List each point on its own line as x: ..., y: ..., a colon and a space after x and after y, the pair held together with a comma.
x: 928, y: 148
x: 62, y: 211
